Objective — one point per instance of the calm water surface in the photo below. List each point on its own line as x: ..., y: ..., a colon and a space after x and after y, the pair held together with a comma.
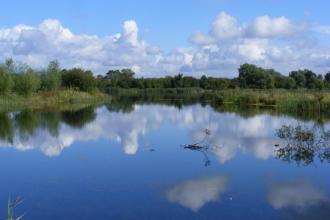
x: 113, y: 163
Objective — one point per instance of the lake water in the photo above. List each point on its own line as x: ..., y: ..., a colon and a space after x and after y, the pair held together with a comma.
x: 155, y: 161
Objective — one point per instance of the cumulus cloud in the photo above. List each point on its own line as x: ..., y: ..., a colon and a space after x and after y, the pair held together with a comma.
x: 297, y: 194
x: 50, y: 40
x: 196, y: 193
x: 272, y: 42
x: 267, y: 27
x: 225, y: 26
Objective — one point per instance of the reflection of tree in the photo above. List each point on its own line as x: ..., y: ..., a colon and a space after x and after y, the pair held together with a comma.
x: 6, y: 128
x: 51, y: 122
x: 303, y: 144
x: 78, y: 119
x: 27, y: 122
x: 125, y: 105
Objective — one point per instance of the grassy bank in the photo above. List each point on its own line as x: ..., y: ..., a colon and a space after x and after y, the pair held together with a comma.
x: 52, y: 99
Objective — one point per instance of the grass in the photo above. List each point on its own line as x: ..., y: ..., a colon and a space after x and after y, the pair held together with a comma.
x: 51, y: 99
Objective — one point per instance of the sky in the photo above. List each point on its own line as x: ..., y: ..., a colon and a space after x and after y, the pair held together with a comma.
x: 157, y: 38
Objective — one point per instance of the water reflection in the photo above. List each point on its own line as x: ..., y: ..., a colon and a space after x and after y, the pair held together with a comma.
x: 195, y: 193
x: 300, y: 199
x: 230, y: 134
x: 296, y: 194
x: 240, y: 143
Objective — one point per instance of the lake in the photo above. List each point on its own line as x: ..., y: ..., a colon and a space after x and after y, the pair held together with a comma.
x: 164, y: 161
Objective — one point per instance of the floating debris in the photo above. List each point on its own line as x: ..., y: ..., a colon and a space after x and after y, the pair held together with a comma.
x: 201, y: 146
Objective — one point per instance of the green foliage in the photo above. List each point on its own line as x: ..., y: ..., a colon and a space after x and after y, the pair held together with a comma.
x: 80, y: 79
x: 327, y: 79
x: 51, y: 78
x: 26, y: 83
x: 120, y: 78
x: 6, y: 81
x: 18, y: 79
x: 307, y: 79
x: 251, y: 76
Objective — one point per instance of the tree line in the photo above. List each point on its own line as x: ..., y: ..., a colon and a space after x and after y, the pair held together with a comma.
x: 250, y: 76
x: 21, y: 79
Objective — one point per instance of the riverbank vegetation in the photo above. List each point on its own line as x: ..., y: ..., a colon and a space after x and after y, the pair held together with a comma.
x: 249, y: 77
x: 22, y: 86
x: 301, y: 90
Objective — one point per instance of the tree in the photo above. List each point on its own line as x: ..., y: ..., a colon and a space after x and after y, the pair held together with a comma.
x: 327, y: 78
x: 251, y: 76
x: 80, y: 79
x: 27, y: 82
x: 289, y: 83
x: 6, y: 81
x: 307, y: 79
x: 120, y: 78
x: 51, y: 79
x: 299, y: 78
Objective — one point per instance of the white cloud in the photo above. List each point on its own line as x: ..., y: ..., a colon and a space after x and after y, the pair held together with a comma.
x: 196, y: 193
x: 267, y: 27
x: 272, y: 42
x: 50, y: 40
x: 225, y: 26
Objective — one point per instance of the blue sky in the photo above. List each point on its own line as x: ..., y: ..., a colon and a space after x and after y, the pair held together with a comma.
x: 167, y: 25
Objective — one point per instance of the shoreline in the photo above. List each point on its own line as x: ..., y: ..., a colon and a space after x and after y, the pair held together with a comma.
x: 60, y: 99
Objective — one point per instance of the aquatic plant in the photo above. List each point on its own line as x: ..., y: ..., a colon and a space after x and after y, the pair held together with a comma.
x: 303, y: 144
x: 12, y: 204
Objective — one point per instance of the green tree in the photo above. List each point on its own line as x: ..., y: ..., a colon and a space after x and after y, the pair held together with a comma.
x: 78, y: 79
x: 327, y: 79
x: 121, y: 78
x: 251, y: 76
x: 6, y: 81
x: 51, y: 79
x: 299, y: 78
x: 27, y: 82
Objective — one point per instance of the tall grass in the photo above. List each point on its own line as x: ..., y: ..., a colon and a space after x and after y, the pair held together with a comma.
x: 293, y: 100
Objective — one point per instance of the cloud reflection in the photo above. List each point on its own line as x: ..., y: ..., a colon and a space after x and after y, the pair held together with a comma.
x: 230, y: 132
x: 297, y: 194
x: 194, y: 194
